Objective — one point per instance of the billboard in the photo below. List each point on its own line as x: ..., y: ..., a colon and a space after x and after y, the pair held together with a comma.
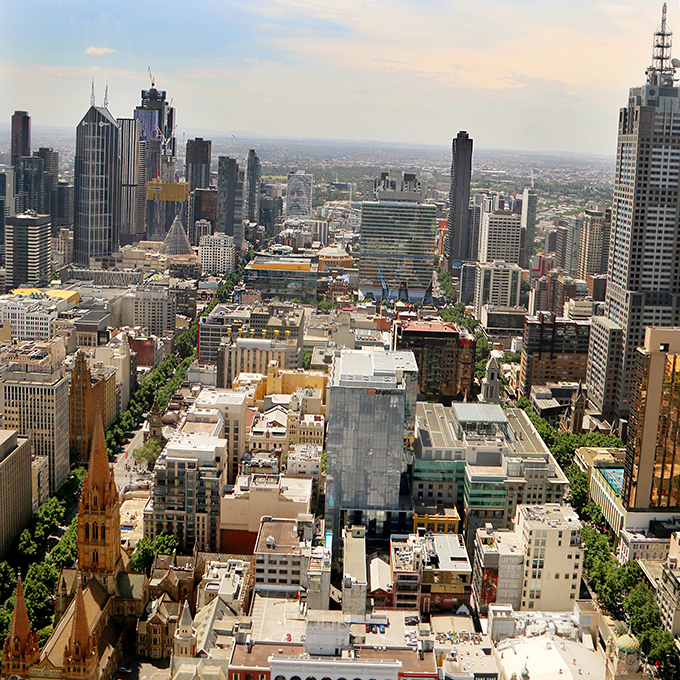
x: 299, y: 194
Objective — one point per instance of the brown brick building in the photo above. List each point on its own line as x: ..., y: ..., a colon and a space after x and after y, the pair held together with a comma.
x: 445, y: 355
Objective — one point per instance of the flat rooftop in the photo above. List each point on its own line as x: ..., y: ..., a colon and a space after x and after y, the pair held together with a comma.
x: 552, y: 514
x: 434, y: 427
x: 479, y: 413
x: 371, y: 368
x: 278, y: 537
x: 354, y: 557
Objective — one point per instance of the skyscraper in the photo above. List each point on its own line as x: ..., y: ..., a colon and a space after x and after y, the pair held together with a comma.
x: 594, y: 245
x: 458, y: 236
x: 50, y: 179
x: 397, y: 248
x: 253, y: 174
x: 529, y: 202
x: 157, y: 119
x: 230, y: 180
x: 198, y: 154
x: 21, y: 135
x: 643, y: 281
x: 130, y: 168
x: 27, y: 250
x: 97, y: 186
x: 500, y: 237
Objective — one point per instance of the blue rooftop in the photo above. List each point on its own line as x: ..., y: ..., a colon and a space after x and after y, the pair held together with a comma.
x: 614, y: 477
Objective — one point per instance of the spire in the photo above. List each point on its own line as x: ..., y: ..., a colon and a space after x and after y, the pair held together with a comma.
x: 661, y: 71
x: 92, y: 95
x: 21, y: 627
x: 186, y: 621
x: 106, y: 95
x: 98, y: 475
x: 78, y: 645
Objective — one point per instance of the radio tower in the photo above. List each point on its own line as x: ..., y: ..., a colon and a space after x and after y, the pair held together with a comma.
x: 661, y: 72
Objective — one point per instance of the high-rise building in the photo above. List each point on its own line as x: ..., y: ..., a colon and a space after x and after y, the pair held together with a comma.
x: 500, y: 237
x: 529, y: 203
x: 198, y: 155
x: 64, y: 205
x: 15, y: 487
x: 230, y: 181
x: 50, y: 179
x: 458, y: 237
x: 97, y: 186
x: 371, y: 403
x: 299, y: 194
x: 397, y: 248
x: 21, y: 135
x: 643, y: 285
x: 217, y: 254
x: 253, y: 175
x: 131, y: 170
x: 650, y: 479
x: 497, y: 283
x: 27, y: 250
x: 202, y: 208
x: 29, y: 186
x: 395, y: 185
x: 594, y: 256
x: 36, y: 403
x: 157, y: 119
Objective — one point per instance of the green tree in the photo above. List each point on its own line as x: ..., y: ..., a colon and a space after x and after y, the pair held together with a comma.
x: 8, y: 581
x: 165, y: 544
x: 148, y: 452
x: 143, y: 556
x: 306, y: 359
x: 578, y: 488
x: 51, y: 515
x: 27, y: 546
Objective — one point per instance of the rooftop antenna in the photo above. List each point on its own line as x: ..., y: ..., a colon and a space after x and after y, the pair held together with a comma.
x: 532, y: 179
x: 106, y: 95
x: 153, y: 84
x: 92, y: 95
x: 661, y: 71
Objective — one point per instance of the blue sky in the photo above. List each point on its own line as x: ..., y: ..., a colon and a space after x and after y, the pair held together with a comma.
x: 523, y: 74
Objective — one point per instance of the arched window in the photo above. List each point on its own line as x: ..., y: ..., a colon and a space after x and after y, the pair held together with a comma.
x: 87, y: 530
x: 103, y: 534
x: 94, y: 501
x: 296, y: 677
x: 95, y: 557
x: 95, y: 530
x: 280, y: 677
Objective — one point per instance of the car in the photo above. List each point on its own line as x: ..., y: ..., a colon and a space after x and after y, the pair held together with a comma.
x: 374, y: 628
x: 288, y: 637
x: 124, y: 672
x: 382, y: 628
x: 368, y: 628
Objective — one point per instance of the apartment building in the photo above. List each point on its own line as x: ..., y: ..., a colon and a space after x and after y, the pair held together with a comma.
x: 15, y: 487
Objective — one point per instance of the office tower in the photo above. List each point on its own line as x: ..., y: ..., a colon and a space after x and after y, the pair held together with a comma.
x: 198, y: 154
x: 96, y: 208
x: 458, y: 237
x: 253, y: 175
x: 202, y: 209
x: 157, y: 120
x: 29, y: 185
x: 50, y: 179
x: 27, y: 250
x: 594, y: 255
x: 217, y: 254
x: 529, y: 202
x: 36, y: 401
x: 500, y: 237
x: 130, y: 186
x: 299, y: 194
x: 497, y: 283
x: 397, y: 249
x: 553, y: 349
x: 64, y: 205
x: 21, y: 135
x: 371, y: 402
x: 394, y: 185
x: 230, y: 199
x: 574, y: 224
x: 15, y: 487
x: 476, y: 212
x: 651, y: 481
x: 643, y: 286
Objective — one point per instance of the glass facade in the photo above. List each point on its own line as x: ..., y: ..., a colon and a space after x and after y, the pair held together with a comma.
x: 397, y: 241
x: 97, y: 187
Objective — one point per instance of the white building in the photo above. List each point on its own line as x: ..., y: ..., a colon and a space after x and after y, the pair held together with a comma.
x: 154, y: 310
x: 29, y: 318
x: 304, y: 460
x: 217, y: 253
x: 500, y: 237
x: 497, y: 283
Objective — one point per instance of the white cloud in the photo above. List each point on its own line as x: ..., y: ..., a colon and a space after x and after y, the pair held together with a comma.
x: 99, y: 50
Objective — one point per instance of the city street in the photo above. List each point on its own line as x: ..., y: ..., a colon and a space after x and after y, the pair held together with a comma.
x: 121, y: 475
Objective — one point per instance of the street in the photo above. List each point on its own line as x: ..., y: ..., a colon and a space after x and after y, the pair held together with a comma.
x: 121, y: 475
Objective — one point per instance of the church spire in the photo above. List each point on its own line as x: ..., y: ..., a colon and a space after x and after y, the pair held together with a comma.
x: 79, y: 648
x: 21, y: 646
x: 98, y: 486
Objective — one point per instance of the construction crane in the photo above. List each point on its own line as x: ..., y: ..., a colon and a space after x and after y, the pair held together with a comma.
x: 386, y: 292
x: 153, y: 84
x: 241, y: 147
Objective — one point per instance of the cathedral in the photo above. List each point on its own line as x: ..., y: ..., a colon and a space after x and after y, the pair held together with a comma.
x: 98, y: 602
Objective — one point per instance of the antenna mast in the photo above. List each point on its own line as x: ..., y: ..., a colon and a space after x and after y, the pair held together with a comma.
x: 106, y: 95
x: 92, y: 94
x: 661, y: 71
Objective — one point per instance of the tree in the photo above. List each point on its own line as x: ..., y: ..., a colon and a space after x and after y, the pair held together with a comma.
x: 148, y: 453
x: 8, y: 581
x: 483, y: 349
x: 51, y: 515
x: 306, y: 359
x: 579, y: 488
x: 324, y: 306
x: 27, y: 546
x: 165, y: 544
x: 143, y: 557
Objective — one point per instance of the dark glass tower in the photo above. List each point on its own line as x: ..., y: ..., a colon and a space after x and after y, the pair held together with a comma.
x: 198, y: 157
x: 21, y: 135
x: 458, y: 232
x: 97, y: 186
x: 230, y: 180
x: 253, y: 174
x: 157, y: 119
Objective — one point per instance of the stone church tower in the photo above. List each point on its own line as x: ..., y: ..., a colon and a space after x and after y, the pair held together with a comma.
x: 80, y: 652
x: 623, y: 658
x: 99, y: 551
x: 184, y: 643
x: 20, y: 651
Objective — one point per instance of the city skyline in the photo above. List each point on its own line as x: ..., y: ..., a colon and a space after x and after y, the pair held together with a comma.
x: 309, y: 70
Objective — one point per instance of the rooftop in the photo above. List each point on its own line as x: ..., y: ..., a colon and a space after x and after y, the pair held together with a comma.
x: 278, y: 536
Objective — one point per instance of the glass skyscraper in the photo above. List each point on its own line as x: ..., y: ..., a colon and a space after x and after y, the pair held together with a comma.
x: 97, y: 186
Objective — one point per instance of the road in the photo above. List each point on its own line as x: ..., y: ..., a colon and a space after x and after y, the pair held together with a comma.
x: 121, y: 475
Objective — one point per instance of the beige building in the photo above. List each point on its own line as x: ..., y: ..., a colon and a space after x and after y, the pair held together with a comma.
x: 15, y: 486
x: 38, y: 352
x: 233, y: 407
x: 354, y: 572
x: 255, y: 496
x: 500, y: 237
x: 40, y: 481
